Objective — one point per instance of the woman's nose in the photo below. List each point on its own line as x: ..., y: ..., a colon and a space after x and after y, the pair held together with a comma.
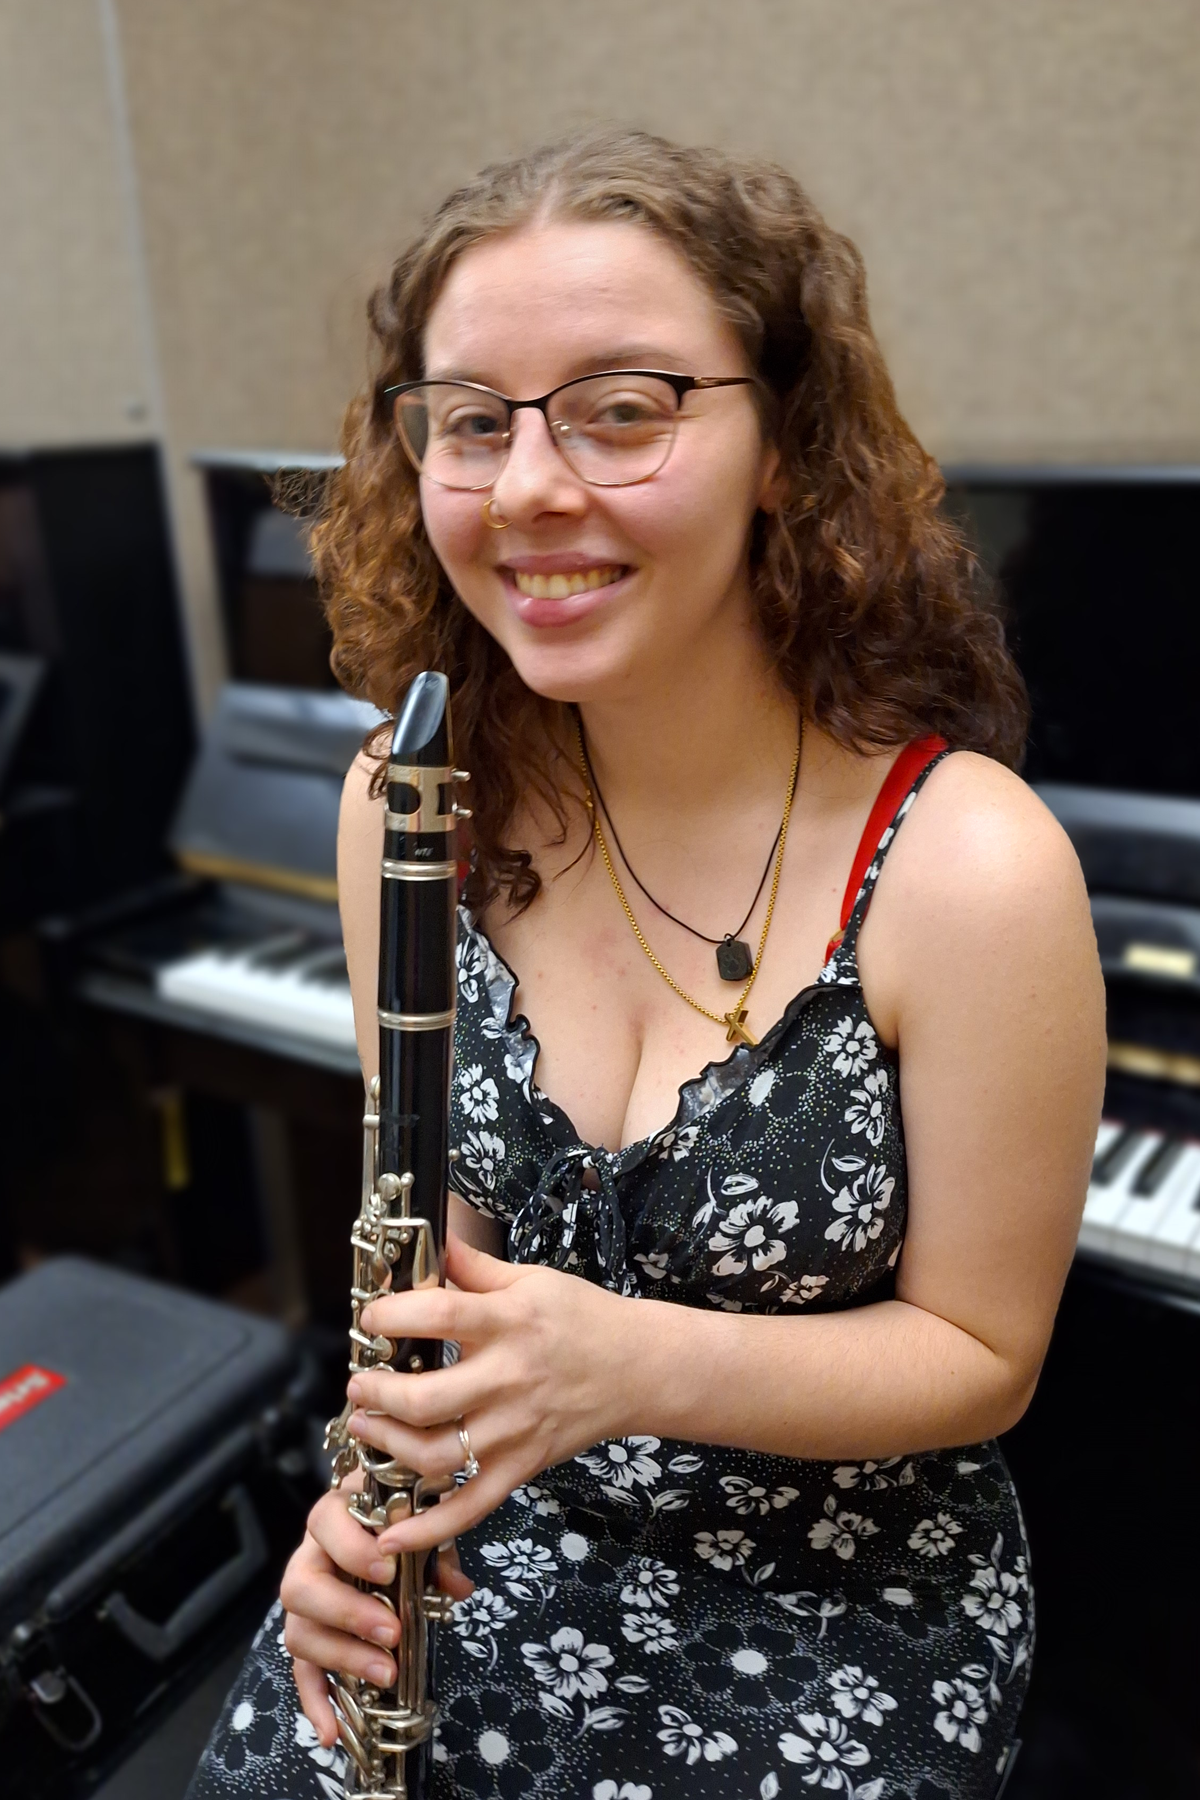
x: 535, y: 478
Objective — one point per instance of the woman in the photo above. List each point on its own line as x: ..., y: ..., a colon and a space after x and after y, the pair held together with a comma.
x: 748, y: 1247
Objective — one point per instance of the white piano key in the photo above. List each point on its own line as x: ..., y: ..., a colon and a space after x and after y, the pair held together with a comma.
x: 1135, y: 1235
x: 266, y: 986
x: 1175, y: 1241
x: 1107, y: 1133
x: 1107, y: 1201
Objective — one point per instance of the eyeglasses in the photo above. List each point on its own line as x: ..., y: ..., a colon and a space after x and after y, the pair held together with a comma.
x: 613, y: 429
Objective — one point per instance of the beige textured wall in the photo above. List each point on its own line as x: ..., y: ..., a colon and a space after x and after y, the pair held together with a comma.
x: 1022, y: 178
x: 72, y: 366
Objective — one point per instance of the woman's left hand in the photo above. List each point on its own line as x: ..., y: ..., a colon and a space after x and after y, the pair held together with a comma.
x: 547, y: 1368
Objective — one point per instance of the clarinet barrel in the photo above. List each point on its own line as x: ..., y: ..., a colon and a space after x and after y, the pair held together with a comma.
x: 400, y: 1235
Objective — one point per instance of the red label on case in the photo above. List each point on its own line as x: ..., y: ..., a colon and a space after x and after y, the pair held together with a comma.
x: 24, y: 1389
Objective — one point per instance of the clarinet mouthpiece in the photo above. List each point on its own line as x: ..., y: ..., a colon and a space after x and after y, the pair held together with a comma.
x: 422, y: 734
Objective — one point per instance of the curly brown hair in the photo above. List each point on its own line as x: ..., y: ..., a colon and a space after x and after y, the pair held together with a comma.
x: 872, y: 608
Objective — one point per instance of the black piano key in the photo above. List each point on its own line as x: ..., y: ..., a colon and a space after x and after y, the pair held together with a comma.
x: 1156, y: 1168
x: 1108, y: 1166
x: 328, y: 970
x: 279, y: 952
x: 229, y: 949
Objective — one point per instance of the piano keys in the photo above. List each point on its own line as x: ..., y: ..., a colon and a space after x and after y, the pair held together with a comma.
x: 252, y: 952
x: 1142, y: 1212
x: 291, y: 981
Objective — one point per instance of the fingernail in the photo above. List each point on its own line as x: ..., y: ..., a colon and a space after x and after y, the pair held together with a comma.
x: 380, y: 1673
x: 384, y: 1634
x: 382, y: 1573
x: 354, y: 1392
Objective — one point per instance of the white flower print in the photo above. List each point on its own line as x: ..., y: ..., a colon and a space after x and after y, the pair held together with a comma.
x: 852, y: 1047
x: 799, y: 1293
x: 568, y: 1666
x: 653, y: 1585
x: 624, y: 1461
x: 898, y: 1596
x: 825, y: 1749
x: 681, y: 1736
x: 861, y: 1206
x: 964, y: 1710
x: 480, y: 1095
x: 725, y: 1549
x: 839, y: 1530
x: 331, y: 1763
x: 654, y: 1631
x: 482, y: 1152
x: 333, y: 1759
x: 829, y: 1607
x: 481, y: 1613
x: 867, y: 1111
x: 675, y: 1145
x: 992, y: 1600
x: 857, y: 1696
x: 761, y: 1086
x: 747, y: 1497
x: 478, y: 1618
x: 471, y: 965
x: 654, y: 1266
x: 745, y: 1235
x: 628, y: 1790
x: 523, y: 1566
x: 935, y: 1538
x: 873, y: 1474
x: 537, y: 1499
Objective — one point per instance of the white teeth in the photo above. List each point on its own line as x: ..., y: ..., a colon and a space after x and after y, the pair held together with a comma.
x: 561, y: 587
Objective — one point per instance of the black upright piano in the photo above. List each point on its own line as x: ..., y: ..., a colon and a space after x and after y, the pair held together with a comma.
x: 221, y: 977
x: 1099, y: 570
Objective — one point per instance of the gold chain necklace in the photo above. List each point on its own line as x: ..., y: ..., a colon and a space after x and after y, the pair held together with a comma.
x: 734, y: 1020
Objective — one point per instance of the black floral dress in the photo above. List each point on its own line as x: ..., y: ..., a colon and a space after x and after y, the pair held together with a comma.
x: 659, y: 1619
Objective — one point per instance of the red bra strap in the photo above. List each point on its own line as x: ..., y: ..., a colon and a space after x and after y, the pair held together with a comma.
x: 910, y: 763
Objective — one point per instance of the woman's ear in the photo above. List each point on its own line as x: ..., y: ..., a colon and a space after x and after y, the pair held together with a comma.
x: 771, y: 483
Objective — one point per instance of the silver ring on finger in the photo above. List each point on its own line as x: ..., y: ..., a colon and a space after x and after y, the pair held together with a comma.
x: 470, y: 1463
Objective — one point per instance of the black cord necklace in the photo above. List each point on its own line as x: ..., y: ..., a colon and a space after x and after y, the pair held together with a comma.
x: 734, y: 959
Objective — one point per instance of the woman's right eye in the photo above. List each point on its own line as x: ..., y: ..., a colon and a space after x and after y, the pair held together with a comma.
x: 471, y: 425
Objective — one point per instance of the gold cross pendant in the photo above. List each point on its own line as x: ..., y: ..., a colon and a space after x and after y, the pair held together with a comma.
x: 737, y: 1033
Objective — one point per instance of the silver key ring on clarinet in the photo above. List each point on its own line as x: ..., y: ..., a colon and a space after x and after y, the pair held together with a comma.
x: 470, y: 1467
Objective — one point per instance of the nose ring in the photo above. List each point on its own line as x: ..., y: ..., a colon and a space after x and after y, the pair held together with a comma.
x: 496, y: 525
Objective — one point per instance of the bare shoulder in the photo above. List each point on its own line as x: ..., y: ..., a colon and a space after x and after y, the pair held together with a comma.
x: 981, y: 885
x: 978, y: 833
x: 360, y: 825
x: 358, y: 804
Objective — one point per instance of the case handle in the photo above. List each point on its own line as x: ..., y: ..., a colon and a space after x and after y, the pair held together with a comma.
x: 160, y: 1642
x: 47, y: 1691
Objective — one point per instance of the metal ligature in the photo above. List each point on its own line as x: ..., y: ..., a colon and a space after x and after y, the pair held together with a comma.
x: 399, y: 1237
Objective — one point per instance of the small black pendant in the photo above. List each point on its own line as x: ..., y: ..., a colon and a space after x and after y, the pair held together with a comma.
x: 734, y: 961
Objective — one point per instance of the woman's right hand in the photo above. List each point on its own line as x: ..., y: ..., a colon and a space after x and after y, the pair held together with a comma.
x: 332, y: 1624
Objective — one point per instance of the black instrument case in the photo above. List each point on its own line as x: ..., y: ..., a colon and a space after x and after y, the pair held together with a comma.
x: 152, y: 1478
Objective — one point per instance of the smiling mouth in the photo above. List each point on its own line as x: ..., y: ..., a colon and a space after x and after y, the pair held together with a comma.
x: 561, y: 587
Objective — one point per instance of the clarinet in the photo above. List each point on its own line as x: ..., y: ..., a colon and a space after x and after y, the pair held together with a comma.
x: 400, y: 1234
